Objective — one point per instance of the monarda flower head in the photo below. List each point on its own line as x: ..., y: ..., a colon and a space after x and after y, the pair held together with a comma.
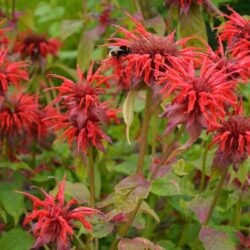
x: 84, y: 112
x: 21, y: 119
x: 198, y: 100
x: 237, y: 66
x: 36, y: 46
x: 136, y: 57
x: 54, y: 219
x: 233, y: 139
x: 11, y: 72
x: 182, y: 5
x: 236, y: 32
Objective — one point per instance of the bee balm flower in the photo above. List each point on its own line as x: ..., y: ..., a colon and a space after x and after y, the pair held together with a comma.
x: 54, y: 219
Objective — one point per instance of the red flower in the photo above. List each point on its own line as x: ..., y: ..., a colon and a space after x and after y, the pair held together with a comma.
x: 233, y: 138
x: 183, y: 5
x: 22, y: 120
x: 198, y: 100
x: 236, y: 31
x: 11, y: 72
x: 36, y: 46
x: 140, y: 54
x: 84, y: 111
x: 54, y: 219
x: 237, y: 65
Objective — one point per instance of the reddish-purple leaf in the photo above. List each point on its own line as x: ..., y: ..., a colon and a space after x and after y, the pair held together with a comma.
x: 138, y: 243
x: 200, y: 206
x: 214, y: 240
x: 129, y: 191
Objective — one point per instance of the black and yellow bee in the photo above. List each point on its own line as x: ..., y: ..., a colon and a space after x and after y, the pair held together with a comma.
x: 117, y: 51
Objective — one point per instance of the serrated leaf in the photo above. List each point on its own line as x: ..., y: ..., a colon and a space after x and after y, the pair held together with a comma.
x: 128, y: 111
x: 200, y: 206
x: 129, y: 191
x: 12, y: 203
x: 179, y: 167
x: 192, y: 24
x: 137, y: 243
x: 213, y: 239
x: 16, y: 239
x: 101, y: 227
x: 171, y: 185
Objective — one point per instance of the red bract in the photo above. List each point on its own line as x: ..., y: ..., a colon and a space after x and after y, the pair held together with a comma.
x: 84, y: 111
x: 54, y: 219
x: 236, y: 31
x: 36, y: 46
x: 11, y: 72
x: 198, y: 100
x: 233, y: 138
x: 136, y: 57
x: 183, y: 5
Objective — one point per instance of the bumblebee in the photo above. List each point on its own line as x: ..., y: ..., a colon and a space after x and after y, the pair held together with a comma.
x: 117, y: 51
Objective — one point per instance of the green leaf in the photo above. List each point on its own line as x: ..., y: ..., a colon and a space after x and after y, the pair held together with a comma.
x: 3, y: 215
x: 128, y: 166
x: 171, y: 185
x: 192, y: 24
x: 145, y: 208
x: 85, y: 48
x: 213, y: 239
x: 12, y: 202
x: 14, y: 165
x: 69, y: 27
x: 101, y: 227
x: 157, y: 23
x: 129, y: 191
x: 78, y: 191
x: 26, y: 20
x: 179, y: 167
x: 16, y: 239
x: 128, y: 111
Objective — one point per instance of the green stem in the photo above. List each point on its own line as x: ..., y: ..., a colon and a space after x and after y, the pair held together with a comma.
x: 91, y: 177
x: 140, y: 163
x: 168, y: 151
x: 203, y: 170
x: 237, y: 213
x: 91, y: 172
x: 216, y: 195
x: 144, y: 132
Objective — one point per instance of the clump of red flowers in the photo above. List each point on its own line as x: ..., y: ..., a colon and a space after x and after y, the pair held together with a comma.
x: 137, y: 56
x: 233, y: 139
x: 182, y: 5
x: 54, y: 219
x: 11, y: 72
x: 22, y: 119
x: 236, y: 32
x: 36, y: 46
x: 198, y: 100
x: 84, y: 112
